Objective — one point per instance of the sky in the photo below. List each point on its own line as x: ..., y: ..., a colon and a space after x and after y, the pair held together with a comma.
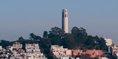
x: 22, y: 17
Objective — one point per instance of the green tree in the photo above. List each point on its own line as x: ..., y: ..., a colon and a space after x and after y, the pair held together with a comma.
x: 80, y: 35
x: 34, y: 37
x: 45, y: 34
x: 56, y: 31
x: 55, y: 35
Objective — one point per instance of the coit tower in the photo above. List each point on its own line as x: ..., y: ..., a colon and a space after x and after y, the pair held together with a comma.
x: 65, y: 20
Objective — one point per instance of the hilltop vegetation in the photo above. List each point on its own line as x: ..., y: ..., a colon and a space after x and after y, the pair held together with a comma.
x: 77, y: 39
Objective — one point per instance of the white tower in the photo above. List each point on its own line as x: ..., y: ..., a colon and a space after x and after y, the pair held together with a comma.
x: 65, y: 20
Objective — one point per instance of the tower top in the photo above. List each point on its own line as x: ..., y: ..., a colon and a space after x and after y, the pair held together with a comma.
x: 65, y: 10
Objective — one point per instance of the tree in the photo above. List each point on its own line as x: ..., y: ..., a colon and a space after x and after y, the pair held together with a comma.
x: 75, y: 30
x: 45, y: 34
x: 56, y: 31
x: 80, y: 35
x: 21, y: 39
x: 5, y: 43
x: 69, y: 42
x: 34, y: 37
x: 55, y: 35
x: 78, y: 31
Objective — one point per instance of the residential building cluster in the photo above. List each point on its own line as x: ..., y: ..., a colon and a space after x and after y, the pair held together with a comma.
x: 112, y: 48
x: 32, y: 51
x: 115, y: 50
x: 63, y: 53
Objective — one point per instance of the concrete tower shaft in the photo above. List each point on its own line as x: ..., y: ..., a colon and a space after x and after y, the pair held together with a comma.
x: 65, y: 20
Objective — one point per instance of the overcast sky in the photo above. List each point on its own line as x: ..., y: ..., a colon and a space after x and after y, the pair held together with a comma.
x: 22, y: 17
